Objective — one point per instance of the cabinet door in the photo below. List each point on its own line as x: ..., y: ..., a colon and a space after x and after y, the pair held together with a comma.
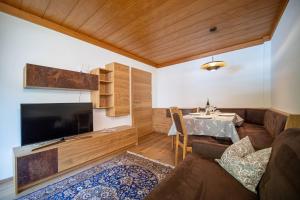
x: 141, y: 98
x: 36, y: 166
x: 121, y: 90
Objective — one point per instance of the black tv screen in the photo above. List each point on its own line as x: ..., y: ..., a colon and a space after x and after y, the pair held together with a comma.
x: 42, y: 122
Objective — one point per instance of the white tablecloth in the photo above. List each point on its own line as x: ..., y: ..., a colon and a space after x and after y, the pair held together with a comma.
x: 218, y: 126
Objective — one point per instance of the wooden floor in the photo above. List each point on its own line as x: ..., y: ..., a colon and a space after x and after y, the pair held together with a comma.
x: 156, y: 146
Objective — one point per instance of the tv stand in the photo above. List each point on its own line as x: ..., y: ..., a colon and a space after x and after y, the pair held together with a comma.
x: 49, y: 144
x: 64, y: 139
x: 39, y: 162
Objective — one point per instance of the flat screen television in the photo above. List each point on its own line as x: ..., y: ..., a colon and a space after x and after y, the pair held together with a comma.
x: 42, y: 122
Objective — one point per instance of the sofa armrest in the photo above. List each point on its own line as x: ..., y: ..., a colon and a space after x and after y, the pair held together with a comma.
x: 208, y: 150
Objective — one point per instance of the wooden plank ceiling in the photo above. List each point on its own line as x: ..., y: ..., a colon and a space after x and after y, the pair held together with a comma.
x: 157, y: 32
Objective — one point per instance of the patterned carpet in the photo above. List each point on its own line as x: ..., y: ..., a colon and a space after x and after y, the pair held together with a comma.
x: 128, y: 176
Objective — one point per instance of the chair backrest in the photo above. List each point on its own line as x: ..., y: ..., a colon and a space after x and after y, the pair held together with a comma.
x: 281, y: 179
x: 177, y: 119
x: 293, y: 121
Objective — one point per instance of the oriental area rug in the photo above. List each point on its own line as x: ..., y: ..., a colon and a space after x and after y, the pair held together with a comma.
x: 127, y: 176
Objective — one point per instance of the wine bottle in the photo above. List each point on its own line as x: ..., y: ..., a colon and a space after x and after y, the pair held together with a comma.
x: 207, y: 103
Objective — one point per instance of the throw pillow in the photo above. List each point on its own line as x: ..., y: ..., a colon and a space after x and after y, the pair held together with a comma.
x: 239, y: 149
x: 244, y: 164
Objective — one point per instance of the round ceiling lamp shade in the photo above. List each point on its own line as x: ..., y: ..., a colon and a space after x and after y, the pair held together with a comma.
x: 213, y: 65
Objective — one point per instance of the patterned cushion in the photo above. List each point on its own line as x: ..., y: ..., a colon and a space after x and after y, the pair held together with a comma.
x: 244, y: 164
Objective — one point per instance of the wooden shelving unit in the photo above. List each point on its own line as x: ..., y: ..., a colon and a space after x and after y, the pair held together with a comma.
x: 120, y: 90
x: 102, y: 97
x: 104, y: 81
x: 113, y: 92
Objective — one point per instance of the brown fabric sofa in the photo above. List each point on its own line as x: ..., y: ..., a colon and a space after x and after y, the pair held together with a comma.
x: 261, y: 125
x: 200, y: 177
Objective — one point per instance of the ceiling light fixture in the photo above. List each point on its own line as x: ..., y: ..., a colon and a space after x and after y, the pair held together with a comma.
x: 213, y: 65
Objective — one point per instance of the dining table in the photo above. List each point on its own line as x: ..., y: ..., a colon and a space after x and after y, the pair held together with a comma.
x: 215, y: 124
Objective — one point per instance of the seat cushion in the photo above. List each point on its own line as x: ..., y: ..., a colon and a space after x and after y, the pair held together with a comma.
x: 199, y: 178
x: 259, y: 136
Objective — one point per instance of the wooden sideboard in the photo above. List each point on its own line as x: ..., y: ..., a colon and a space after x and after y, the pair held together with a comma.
x: 35, y: 166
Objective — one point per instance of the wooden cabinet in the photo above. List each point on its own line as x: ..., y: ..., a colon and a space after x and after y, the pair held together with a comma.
x: 35, y: 166
x: 113, y: 93
x: 141, y: 98
x: 37, y: 76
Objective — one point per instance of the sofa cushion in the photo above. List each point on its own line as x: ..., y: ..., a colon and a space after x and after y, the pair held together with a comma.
x: 239, y: 149
x: 258, y: 135
x: 247, y: 169
x: 274, y: 122
x: 199, y: 178
x: 255, y: 116
x: 282, y: 177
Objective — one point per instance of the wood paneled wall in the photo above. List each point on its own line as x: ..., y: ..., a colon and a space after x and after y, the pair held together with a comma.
x: 162, y: 120
x: 141, y: 101
x: 161, y: 123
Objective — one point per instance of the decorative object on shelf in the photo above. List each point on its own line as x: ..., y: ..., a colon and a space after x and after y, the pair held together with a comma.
x: 213, y: 65
x: 36, y: 76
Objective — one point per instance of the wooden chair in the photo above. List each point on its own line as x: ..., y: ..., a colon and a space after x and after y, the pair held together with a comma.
x: 293, y: 121
x: 181, y: 135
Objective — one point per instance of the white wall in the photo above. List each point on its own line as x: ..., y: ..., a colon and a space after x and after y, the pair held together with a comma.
x: 22, y: 42
x: 286, y: 61
x: 245, y: 82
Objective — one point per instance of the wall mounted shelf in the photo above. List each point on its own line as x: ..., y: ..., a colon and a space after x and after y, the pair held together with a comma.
x: 102, y: 97
x: 104, y: 81
x: 113, y: 92
x: 37, y: 76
